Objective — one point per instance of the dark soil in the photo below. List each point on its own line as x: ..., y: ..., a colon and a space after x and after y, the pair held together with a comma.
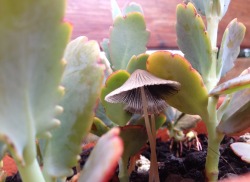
x: 187, y: 168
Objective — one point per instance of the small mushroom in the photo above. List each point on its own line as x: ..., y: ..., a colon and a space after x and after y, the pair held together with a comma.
x: 142, y: 94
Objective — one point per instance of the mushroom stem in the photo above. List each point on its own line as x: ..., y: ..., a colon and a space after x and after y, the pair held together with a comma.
x: 153, y: 173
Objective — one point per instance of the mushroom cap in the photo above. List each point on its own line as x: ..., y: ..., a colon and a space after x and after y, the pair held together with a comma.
x: 129, y: 93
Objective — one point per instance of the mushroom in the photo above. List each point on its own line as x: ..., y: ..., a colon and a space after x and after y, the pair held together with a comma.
x: 142, y: 94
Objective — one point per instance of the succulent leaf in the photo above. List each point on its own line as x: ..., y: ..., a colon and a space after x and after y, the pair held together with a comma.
x: 81, y: 93
x: 192, y: 97
x: 101, y: 114
x: 230, y: 47
x: 224, y: 6
x: 98, y: 127
x: 134, y: 137
x: 108, y: 150
x: 199, y: 5
x: 123, y: 34
x: 132, y: 7
x: 241, y: 149
x: 137, y: 62
x: 115, y: 112
x: 232, y: 85
x: 31, y: 49
x: 237, y: 115
x: 193, y: 39
x: 105, y: 48
x: 187, y: 122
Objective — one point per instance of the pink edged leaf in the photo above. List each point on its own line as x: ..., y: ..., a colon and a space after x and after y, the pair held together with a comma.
x: 115, y: 111
x: 128, y: 37
x: 237, y: 115
x: 137, y: 62
x: 31, y: 50
x: 235, y: 118
x: 230, y: 47
x: 192, y: 97
x: 103, y: 159
x: 193, y: 39
x: 232, y: 85
x: 241, y: 149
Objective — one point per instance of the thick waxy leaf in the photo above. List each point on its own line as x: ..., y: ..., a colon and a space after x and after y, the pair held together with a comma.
x: 101, y: 114
x: 237, y: 115
x: 125, y: 33
x: 187, y: 121
x: 115, y: 112
x: 230, y: 47
x: 232, y: 85
x: 224, y: 6
x: 181, y: 121
x: 82, y: 80
x: 103, y: 159
x: 31, y: 48
x: 193, y: 39
x: 105, y: 48
x: 192, y: 97
x: 132, y: 7
x: 137, y: 62
x: 98, y: 127
x: 242, y: 150
x: 199, y: 5
x: 116, y: 11
x: 134, y: 137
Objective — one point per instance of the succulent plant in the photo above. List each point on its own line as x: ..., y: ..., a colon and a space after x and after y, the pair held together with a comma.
x: 198, y: 72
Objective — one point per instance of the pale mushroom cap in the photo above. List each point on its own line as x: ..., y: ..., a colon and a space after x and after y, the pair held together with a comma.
x: 129, y: 93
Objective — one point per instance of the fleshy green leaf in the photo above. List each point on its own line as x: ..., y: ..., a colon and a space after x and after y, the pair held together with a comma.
x: 98, y: 127
x: 116, y: 11
x: 237, y: 115
x: 230, y: 47
x: 105, y: 48
x: 232, y: 85
x: 192, y: 97
x: 199, y: 5
x: 134, y: 137
x: 115, y: 112
x: 137, y: 62
x: 187, y: 122
x: 132, y: 7
x: 103, y: 159
x: 31, y: 47
x: 181, y: 121
x: 242, y: 150
x: 193, y: 39
x: 124, y: 35
x: 82, y: 80
x: 101, y: 114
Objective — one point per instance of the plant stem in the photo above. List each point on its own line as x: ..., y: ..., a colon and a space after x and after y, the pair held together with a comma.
x: 31, y: 172
x: 123, y: 172
x: 212, y: 29
x: 155, y: 174
x: 214, y: 140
